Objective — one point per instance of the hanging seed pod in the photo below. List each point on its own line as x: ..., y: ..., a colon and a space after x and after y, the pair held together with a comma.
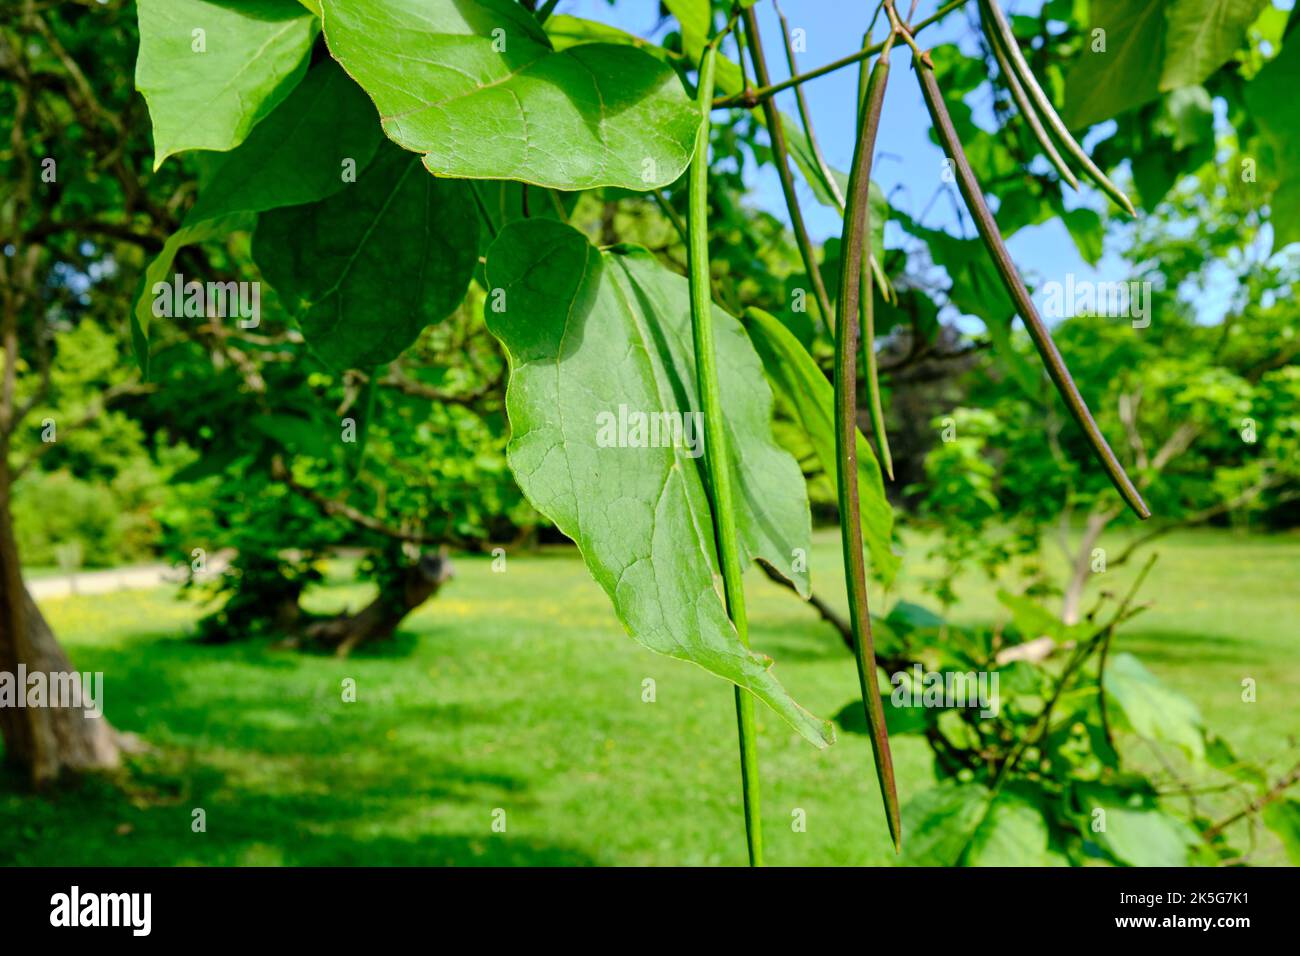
x: 854, y: 276
x: 992, y: 236
x: 867, y: 301
x: 998, y: 21
x: 825, y: 173
x: 780, y: 155
x: 1021, y: 99
x: 721, y: 494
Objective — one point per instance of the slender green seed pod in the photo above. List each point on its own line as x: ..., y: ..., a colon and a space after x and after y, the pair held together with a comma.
x: 716, y: 460
x: 1021, y: 99
x: 875, y: 404
x: 1045, y: 109
x: 780, y: 156
x: 992, y: 236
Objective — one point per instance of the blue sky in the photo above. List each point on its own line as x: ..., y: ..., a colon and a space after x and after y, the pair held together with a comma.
x: 907, y: 163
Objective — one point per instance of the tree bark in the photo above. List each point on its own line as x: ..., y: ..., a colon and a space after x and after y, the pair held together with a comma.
x: 380, y: 618
x: 44, y: 742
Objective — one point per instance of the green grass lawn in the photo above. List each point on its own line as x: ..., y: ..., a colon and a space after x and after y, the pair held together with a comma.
x: 519, y: 691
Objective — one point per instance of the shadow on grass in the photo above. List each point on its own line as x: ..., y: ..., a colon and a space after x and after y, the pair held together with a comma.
x: 1177, y: 648
x: 148, y: 820
x: 285, y: 770
x: 797, y: 639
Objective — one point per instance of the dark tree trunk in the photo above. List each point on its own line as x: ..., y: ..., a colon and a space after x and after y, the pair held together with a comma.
x: 379, y: 619
x: 244, y: 615
x: 45, y: 742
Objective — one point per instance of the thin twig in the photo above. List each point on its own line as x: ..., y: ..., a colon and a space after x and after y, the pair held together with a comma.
x: 671, y: 213
x: 752, y: 98
x: 1259, y: 803
x: 780, y: 155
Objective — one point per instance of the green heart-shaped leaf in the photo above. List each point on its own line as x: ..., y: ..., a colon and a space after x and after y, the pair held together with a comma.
x: 366, y: 269
x: 210, y: 71
x: 597, y: 340
x: 478, y: 89
x: 298, y: 154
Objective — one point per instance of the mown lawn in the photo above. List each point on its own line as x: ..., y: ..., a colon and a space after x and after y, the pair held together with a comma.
x: 518, y: 691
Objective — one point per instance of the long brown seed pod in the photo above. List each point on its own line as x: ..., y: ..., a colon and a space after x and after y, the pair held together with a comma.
x: 992, y: 236
x: 853, y: 276
x: 1021, y: 98
x: 1047, y: 111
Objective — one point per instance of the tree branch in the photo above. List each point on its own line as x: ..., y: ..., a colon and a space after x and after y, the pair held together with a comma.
x: 752, y: 98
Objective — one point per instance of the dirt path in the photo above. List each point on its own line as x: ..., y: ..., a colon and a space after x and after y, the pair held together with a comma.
x: 113, y: 579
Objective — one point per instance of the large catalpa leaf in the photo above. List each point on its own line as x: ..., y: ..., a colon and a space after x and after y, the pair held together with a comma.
x: 300, y: 153
x: 596, y: 339
x: 1013, y: 832
x: 309, y: 148
x: 1202, y: 35
x: 693, y: 15
x: 1275, y: 107
x: 476, y: 86
x: 1102, y: 84
x: 366, y: 269
x: 1152, y: 47
x: 211, y: 70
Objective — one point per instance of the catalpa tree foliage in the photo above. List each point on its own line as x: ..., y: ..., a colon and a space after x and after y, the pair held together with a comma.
x: 388, y: 156
x: 361, y: 164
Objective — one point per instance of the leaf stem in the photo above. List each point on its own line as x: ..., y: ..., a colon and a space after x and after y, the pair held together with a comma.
x: 482, y: 209
x: 716, y: 459
x: 992, y: 236
x: 780, y: 154
x: 854, y: 275
x: 667, y: 208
